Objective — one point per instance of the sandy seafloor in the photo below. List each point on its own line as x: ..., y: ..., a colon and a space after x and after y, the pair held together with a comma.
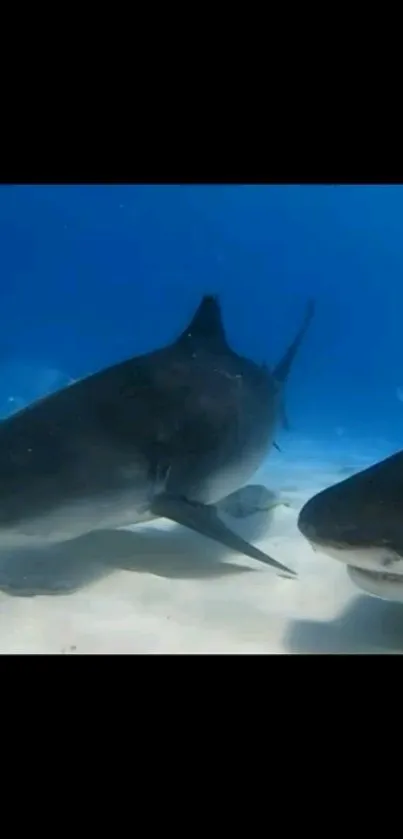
x: 160, y: 589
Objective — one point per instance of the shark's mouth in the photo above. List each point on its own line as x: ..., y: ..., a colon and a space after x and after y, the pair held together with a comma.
x: 367, y: 568
x: 378, y: 583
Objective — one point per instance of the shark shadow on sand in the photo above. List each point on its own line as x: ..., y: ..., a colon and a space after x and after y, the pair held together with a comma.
x: 173, y: 552
x: 366, y: 625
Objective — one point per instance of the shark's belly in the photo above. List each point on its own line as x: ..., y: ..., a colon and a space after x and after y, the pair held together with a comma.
x: 71, y: 519
x: 210, y: 479
x: 229, y: 478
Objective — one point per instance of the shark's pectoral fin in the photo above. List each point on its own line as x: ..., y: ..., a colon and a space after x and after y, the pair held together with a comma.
x: 204, y: 519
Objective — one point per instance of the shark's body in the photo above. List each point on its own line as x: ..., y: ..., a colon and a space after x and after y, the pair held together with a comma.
x: 359, y: 521
x: 168, y: 433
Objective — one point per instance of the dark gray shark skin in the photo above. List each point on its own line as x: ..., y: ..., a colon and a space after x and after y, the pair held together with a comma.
x: 360, y: 521
x: 168, y: 433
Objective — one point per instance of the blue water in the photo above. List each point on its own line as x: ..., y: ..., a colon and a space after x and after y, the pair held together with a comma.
x: 91, y: 275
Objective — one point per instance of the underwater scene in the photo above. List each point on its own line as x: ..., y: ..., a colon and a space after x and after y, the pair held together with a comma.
x: 201, y: 419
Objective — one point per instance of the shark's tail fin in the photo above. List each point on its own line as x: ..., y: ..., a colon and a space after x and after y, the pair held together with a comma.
x: 281, y: 372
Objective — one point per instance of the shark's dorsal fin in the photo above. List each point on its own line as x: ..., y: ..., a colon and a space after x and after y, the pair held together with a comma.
x: 206, y: 325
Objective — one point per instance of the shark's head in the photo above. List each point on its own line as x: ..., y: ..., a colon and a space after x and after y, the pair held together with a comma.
x: 360, y: 522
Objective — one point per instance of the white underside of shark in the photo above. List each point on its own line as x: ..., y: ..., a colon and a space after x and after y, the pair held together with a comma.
x: 368, y: 569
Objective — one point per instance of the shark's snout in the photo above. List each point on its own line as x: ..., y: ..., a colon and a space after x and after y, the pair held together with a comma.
x: 334, y: 532
x: 318, y: 524
x: 308, y: 530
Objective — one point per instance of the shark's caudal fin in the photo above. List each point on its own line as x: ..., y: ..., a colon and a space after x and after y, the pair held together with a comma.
x: 206, y: 325
x: 205, y: 520
x: 281, y: 372
x: 284, y: 417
